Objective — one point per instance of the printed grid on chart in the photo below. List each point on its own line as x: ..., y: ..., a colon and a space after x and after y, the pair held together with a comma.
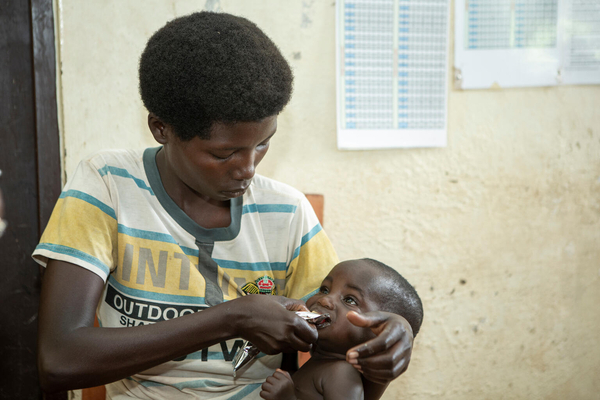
x: 369, y: 58
x: 584, y: 34
x: 368, y: 63
x: 505, y: 24
x: 422, y: 39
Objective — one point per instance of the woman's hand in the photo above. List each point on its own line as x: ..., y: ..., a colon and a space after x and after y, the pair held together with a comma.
x: 386, y: 356
x: 269, y: 323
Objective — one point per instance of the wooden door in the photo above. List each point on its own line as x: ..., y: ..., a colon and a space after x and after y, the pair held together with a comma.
x: 30, y: 162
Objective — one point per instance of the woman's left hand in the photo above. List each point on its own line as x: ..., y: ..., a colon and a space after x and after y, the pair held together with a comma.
x: 385, y: 357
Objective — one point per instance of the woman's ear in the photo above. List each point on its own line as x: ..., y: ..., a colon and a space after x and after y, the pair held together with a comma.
x: 159, y: 129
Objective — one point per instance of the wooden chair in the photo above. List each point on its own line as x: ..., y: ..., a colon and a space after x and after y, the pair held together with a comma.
x: 318, y: 202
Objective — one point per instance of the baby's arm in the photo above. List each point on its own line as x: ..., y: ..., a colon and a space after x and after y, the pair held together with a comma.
x: 339, y: 381
x: 342, y: 382
x: 279, y: 386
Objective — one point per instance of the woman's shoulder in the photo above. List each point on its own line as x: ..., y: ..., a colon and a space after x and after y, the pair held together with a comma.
x: 115, y: 158
x: 271, y: 189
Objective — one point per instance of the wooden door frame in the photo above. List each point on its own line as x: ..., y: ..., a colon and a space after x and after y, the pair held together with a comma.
x: 46, y: 110
x: 31, y: 183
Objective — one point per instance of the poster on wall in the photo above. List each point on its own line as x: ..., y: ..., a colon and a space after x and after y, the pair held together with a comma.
x: 514, y: 43
x: 392, y: 81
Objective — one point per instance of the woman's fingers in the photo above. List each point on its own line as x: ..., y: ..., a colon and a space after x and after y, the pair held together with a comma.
x: 386, y: 356
x: 388, y: 331
x: 306, y: 332
x: 275, y: 329
x: 383, y: 368
x: 393, y: 360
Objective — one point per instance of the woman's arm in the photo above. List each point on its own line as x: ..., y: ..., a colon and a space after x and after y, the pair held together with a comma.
x: 73, y: 354
x: 384, y: 358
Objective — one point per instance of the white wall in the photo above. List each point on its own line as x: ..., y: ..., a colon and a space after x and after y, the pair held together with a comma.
x: 499, y: 231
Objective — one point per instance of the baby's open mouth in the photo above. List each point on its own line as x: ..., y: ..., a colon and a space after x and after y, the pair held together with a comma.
x: 323, y: 322
x: 320, y: 320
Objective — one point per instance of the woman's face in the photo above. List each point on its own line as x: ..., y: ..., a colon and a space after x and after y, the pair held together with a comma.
x: 222, y: 167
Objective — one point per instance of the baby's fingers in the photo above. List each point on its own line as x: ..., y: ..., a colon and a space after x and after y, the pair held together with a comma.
x: 281, y: 374
x: 267, y: 392
x: 276, y: 386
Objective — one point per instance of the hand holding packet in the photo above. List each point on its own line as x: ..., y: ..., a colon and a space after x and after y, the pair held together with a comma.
x: 248, y: 351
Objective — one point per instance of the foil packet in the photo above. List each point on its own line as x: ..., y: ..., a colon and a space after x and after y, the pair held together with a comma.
x: 248, y: 351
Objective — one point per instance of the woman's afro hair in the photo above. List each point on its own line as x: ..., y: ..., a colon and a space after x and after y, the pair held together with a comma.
x: 212, y: 67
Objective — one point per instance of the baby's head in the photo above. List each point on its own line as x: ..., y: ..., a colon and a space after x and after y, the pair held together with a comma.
x: 362, y: 286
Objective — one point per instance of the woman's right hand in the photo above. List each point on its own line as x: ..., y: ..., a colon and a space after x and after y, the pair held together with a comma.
x: 270, y: 324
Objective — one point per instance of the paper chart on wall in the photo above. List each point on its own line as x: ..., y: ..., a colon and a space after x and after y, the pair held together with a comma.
x: 512, y: 43
x: 392, y: 62
x: 581, y: 42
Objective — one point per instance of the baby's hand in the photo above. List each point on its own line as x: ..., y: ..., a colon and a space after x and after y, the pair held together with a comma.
x: 278, y: 387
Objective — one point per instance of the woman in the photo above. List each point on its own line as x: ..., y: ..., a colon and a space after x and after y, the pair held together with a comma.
x: 171, y: 244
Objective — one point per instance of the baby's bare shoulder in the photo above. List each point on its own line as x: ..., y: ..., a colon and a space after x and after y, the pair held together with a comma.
x: 343, y: 382
x: 334, y: 379
x: 342, y: 370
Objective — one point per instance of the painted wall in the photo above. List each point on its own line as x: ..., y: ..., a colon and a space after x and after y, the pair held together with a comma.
x: 499, y: 231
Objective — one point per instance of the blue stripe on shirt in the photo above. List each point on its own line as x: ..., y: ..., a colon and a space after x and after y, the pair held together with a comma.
x: 317, y: 228
x: 246, y: 266
x: 157, y: 236
x: 69, y: 251
x: 125, y: 174
x: 311, y: 294
x: 199, y: 383
x: 268, y: 208
x: 141, y: 234
x: 203, y: 383
x: 246, y: 391
x: 90, y: 200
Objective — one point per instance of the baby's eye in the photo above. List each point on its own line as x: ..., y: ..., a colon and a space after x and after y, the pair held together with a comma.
x: 324, y: 290
x: 351, y: 301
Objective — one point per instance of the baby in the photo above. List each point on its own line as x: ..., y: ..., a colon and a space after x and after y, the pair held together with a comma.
x: 352, y: 286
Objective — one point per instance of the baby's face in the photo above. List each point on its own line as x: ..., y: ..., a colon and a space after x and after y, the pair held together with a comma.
x: 346, y: 288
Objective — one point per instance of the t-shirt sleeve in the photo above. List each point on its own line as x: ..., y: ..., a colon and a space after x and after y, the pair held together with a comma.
x: 313, y: 255
x: 83, y: 226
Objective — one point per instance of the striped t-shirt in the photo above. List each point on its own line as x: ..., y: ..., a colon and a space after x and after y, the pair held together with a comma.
x: 115, y: 219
